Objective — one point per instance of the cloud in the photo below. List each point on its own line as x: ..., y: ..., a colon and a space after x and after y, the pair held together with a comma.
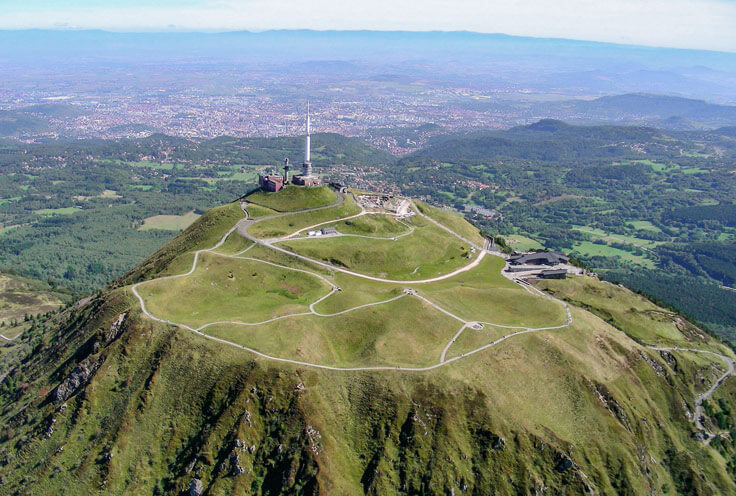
x: 709, y: 24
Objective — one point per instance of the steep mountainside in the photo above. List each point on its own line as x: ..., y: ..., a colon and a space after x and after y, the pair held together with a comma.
x: 101, y: 398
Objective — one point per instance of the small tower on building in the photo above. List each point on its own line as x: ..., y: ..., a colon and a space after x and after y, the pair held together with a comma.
x: 286, y: 170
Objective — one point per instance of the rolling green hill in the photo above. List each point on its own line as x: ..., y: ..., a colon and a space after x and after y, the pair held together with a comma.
x: 224, y: 365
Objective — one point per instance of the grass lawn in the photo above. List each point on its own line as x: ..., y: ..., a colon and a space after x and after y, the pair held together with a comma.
x: 454, y: 221
x: 644, y: 225
x: 169, y: 222
x: 522, y: 243
x: 293, y: 198
x: 427, y: 252
x: 57, y: 211
x: 589, y: 249
x: 235, y: 243
x: 257, y: 211
x: 224, y: 288
x: 389, y: 334
x: 483, y: 294
x: 282, y: 226
x: 371, y: 225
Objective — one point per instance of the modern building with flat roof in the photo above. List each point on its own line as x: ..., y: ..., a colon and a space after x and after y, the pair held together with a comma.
x: 540, y: 258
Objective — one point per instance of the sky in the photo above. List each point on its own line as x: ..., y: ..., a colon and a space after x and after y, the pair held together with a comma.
x: 699, y: 24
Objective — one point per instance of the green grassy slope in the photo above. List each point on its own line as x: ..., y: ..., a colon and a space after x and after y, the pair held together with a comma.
x: 293, y: 198
x: 166, y: 406
x: 453, y: 221
x: 371, y: 225
x: 176, y: 257
x: 223, y: 288
x: 427, y: 252
x: 281, y: 226
x: 586, y: 408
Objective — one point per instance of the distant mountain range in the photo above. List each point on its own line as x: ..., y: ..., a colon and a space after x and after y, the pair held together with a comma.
x: 666, y: 112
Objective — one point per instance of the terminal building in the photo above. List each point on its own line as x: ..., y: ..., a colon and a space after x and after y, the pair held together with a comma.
x: 550, y: 258
x: 274, y: 181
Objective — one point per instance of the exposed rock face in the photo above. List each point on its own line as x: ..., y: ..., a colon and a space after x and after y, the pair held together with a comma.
x: 564, y: 464
x: 115, y: 328
x: 499, y: 443
x: 196, y: 487
x: 87, y: 367
x: 79, y: 376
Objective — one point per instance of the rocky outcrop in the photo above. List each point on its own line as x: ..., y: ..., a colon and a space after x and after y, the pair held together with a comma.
x: 499, y: 443
x: 115, y: 328
x: 196, y: 487
x: 78, y: 377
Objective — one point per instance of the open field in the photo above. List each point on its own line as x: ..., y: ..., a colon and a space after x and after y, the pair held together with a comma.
x: 293, y: 198
x: 483, y: 294
x: 57, y: 211
x: 240, y: 297
x: 257, y: 211
x: 223, y: 288
x: 590, y: 249
x: 388, y: 334
x: 234, y: 244
x: 623, y: 238
x: 169, y: 222
x: 282, y: 226
x: 177, y: 256
x: 142, y: 163
x: 453, y: 221
x: 427, y: 252
x: 522, y: 243
x: 644, y: 225
x: 371, y: 225
x: 20, y: 297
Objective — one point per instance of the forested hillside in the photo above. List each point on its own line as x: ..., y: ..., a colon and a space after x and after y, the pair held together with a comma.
x: 648, y: 207
x: 76, y: 214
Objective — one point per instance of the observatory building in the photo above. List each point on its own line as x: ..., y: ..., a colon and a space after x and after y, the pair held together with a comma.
x: 307, y: 178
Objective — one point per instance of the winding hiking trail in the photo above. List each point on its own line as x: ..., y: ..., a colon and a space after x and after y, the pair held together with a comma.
x: 242, y: 228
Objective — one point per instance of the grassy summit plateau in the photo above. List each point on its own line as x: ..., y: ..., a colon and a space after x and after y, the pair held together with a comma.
x: 246, y: 357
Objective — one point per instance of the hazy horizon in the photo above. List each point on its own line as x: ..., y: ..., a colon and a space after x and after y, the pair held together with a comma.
x: 676, y: 24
